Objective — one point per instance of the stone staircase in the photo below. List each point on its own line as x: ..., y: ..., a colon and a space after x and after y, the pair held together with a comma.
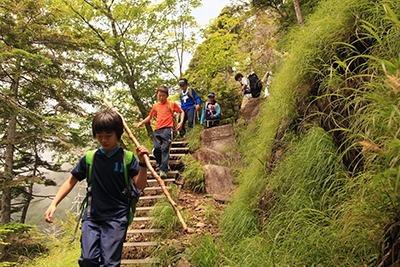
x: 140, y: 241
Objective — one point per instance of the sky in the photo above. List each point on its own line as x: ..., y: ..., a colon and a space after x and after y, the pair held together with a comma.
x: 210, y: 9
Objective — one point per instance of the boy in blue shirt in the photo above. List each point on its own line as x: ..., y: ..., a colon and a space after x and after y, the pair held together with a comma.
x: 103, y: 233
x: 190, y: 103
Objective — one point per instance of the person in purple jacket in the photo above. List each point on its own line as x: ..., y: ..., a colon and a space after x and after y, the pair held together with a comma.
x: 103, y: 233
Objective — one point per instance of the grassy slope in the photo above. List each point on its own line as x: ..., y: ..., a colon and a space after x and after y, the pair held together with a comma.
x: 324, y: 211
x: 63, y: 255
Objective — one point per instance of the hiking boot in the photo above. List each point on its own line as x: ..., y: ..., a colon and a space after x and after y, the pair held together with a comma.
x: 182, y: 139
x: 163, y: 174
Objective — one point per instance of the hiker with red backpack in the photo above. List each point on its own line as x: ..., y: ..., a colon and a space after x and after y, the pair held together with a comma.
x: 251, y: 87
x: 190, y: 104
x: 211, y: 112
x: 107, y: 213
x: 163, y: 111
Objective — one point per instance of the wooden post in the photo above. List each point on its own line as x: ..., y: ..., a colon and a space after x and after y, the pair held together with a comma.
x: 147, y: 159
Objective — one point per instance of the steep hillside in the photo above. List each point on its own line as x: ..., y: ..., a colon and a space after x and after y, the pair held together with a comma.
x: 320, y: 186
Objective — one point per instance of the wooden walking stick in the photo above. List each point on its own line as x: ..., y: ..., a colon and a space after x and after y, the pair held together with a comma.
x: 147, y: 159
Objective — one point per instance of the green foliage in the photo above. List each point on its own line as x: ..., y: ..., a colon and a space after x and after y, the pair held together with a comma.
x: 19, y: 243
x: 41, y: 97
x: 193, y: 174
x: 193, y: 138
x: 164, y: 214
x: 332, y: 198
x: 61, y: 251
x: 287, y: 18
x: 207, y: 252
x: 238, y: 40
x: 64, y: 254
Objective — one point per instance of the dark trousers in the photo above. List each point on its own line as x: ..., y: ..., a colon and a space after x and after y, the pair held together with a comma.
x: 211, y: 123
x: 162, y: 142
x: 102, y: 242
x: 190, y: 117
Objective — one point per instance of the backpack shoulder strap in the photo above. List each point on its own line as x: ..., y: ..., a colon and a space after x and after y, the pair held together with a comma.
x: 128, y: 155
x: 89, y: 157
x: 89, y: 163
x: 191, y: 93
x: 155, y: 109
x: 155, y: 113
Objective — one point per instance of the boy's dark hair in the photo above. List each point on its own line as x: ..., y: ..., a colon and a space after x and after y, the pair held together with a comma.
x: 107, y: 121
x: 237, y: 76
x: 163, y: 88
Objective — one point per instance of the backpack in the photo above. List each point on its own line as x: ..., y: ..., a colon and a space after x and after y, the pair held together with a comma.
x: 190, y: 93
x: 205, y: 107
x: 255, y: 85
x: 171, y: 108
x: 133, y: 195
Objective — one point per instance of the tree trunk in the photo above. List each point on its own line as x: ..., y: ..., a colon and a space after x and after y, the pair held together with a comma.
x: 298, y: 13
x: 27, y: 203
x: 8, y: 169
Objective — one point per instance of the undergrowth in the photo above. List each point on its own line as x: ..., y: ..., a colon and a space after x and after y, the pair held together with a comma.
x: 193, y: 174
x: 332, y: 198
x: 61, y: 251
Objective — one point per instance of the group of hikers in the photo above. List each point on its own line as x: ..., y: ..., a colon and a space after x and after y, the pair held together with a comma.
x: 115, y: 178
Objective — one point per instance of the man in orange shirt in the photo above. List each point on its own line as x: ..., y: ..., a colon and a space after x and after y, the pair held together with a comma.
x: 164, y: 112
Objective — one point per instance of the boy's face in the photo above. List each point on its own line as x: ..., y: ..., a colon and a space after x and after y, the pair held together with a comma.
x: 210, y: 99
x: 108, y: 141
x: 240, y: 79
x: 162, y: 97
x: 183, y: 86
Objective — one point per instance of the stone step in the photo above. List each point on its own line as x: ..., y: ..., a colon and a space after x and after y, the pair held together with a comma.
x: 156, y: 188
x: 141, y: 261
x: 155, y: 181
x: 171, y: 156
x: 151, y: 197
x: 179, y: 143
x: 170, y: 174
x: 140, y: 244
x: 177, y: 150
x: 143, y: 231
x: 171, y: 162
x: 142, y: 219
x: 144, y: 208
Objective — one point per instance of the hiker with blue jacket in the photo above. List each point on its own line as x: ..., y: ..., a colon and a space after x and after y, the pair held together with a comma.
x: 211, y: 112
x: 190, y: 104
x: 106, y: 217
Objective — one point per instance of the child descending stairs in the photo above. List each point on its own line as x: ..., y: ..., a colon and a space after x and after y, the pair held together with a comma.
x: 140, y: 240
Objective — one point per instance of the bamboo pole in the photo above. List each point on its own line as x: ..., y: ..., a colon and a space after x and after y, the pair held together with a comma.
x: 147, y: 159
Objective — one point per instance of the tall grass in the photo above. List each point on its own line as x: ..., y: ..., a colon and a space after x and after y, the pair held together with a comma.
x: 193, y: 174
x: 335, y: 195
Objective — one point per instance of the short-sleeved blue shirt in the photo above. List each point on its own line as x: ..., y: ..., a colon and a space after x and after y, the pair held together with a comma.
x: 108, y: 183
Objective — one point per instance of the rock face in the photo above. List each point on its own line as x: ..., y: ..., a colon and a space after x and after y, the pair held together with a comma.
x: 220, y: 139
x: 210, y: 156
x: 218, y: 180
x: 216, y: 152
x: 251, y: 109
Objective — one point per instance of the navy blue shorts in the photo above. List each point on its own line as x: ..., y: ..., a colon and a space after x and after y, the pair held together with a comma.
x: 102, y: 242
